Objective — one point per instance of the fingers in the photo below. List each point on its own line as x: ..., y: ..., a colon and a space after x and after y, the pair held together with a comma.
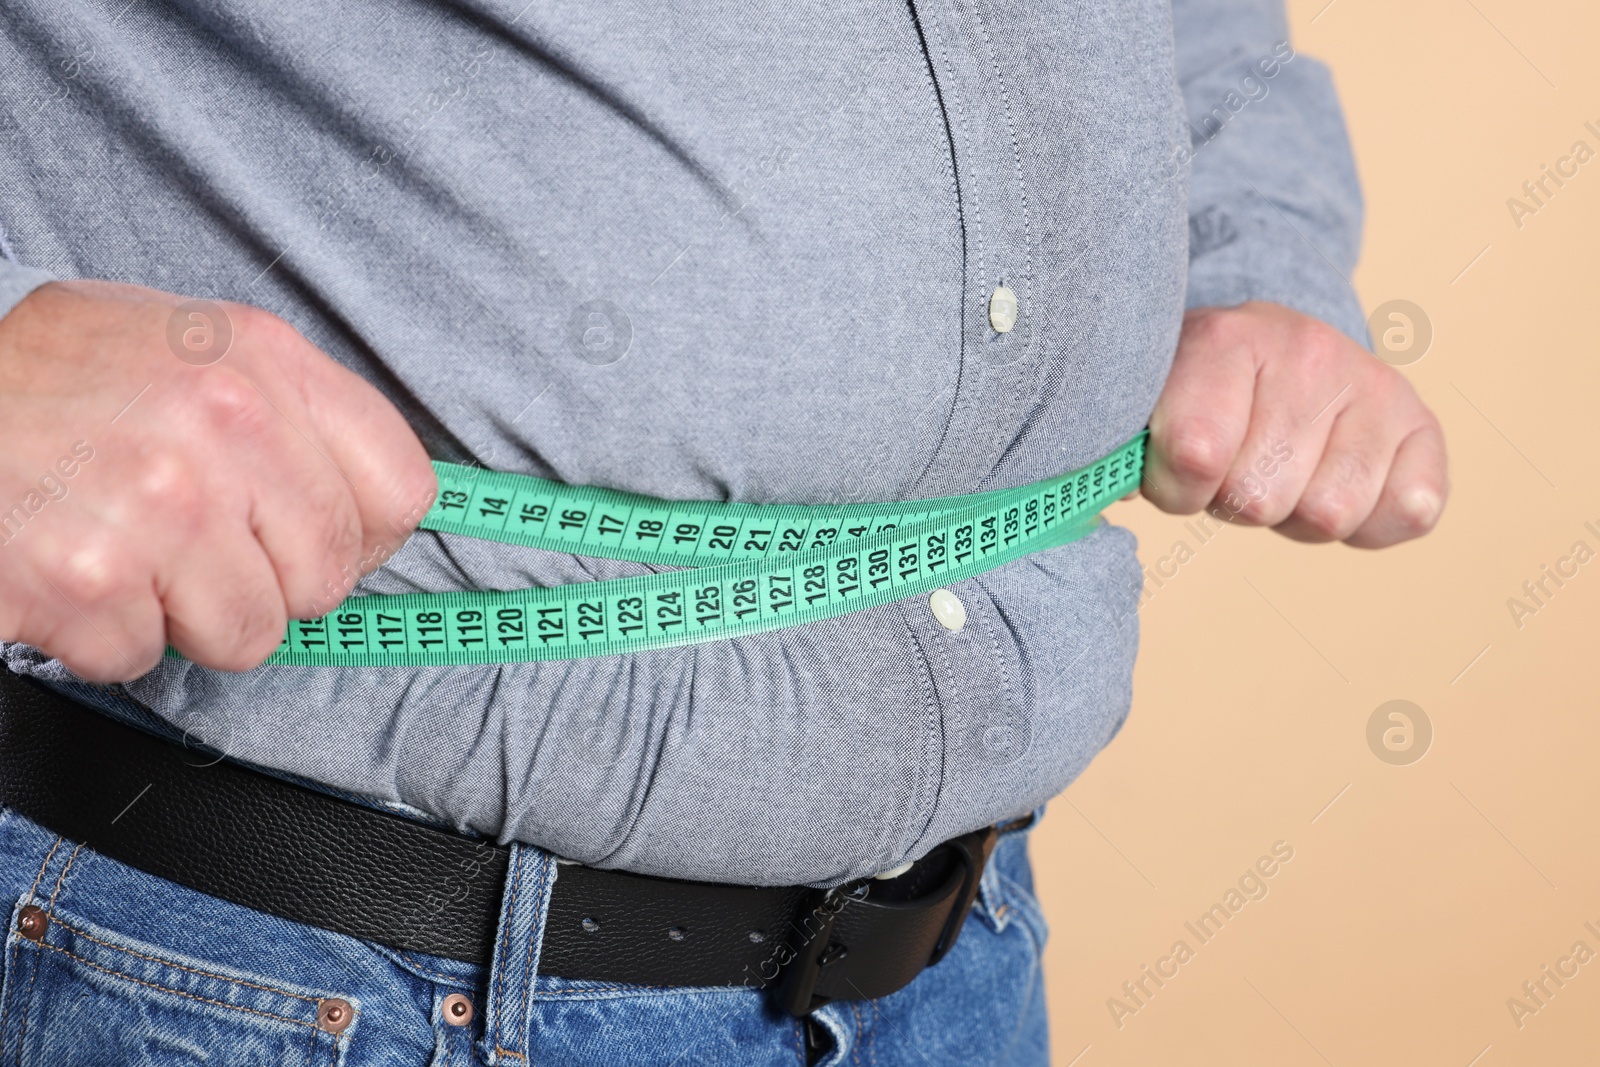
x: 1413, y: 495
x: 392, y: 481
x: 81, y: 602
x: 1349, y: 475
x: 1202, y: 416
x: 224, y: 497
x: 225, y: 609
x: 295, y: 506
x: 104, y: 646
x: 1291, y: 421
x: 1276, y: 419
x: 307, y: 522
x: 344, y: 479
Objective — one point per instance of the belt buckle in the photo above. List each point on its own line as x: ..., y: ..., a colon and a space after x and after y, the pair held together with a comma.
x: 797, y: 988
x: 816, y: 950
x: 974, y: 850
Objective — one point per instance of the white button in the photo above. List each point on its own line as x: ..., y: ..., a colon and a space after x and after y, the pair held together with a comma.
x: 895, y: 872
x: 1002, y: 309
x: 948, y: 609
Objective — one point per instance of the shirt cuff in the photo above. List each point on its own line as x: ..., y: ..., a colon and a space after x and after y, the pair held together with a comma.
x: 1244, y: 256
x: 16, y: 282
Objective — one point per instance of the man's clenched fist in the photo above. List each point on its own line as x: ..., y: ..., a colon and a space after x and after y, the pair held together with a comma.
x: 146, y: 500
x: 1353, y: 454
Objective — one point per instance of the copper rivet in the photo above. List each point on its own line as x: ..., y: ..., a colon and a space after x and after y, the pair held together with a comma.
x: 457, y: 1009
x: 31, y: 922
x: 334, y: 1015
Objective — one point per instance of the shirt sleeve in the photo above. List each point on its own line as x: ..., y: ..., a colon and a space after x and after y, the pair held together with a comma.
x: 16, y: 282
x: 1275, y: 207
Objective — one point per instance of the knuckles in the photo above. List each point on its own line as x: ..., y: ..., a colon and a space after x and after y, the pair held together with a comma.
x: 105, y: 665
x: 419, y: 485
x: 110, y: 650
x: 1330, y: 514
x: 258, y: 328
x: 1197, y: 452
x: 338, y: 567
x: 1338, y: 504
x: 230, y: 402
x: 253, y: 631
x: 89, y: 573
x: 1219, y: 329
x: 1320, y: 350
x: 167, y: 487
x: 233, y: 632
x: 1256, y: 510
x: 1414, y: 518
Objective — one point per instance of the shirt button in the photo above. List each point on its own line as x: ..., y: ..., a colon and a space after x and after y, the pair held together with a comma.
x: 1002, y: 309
x: 948, y: 610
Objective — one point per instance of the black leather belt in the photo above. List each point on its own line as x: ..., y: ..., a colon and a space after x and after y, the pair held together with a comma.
x: 302, y: 855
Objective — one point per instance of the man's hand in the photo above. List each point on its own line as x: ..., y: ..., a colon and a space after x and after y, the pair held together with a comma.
x: 147, y: 500
x: 1272, y: 418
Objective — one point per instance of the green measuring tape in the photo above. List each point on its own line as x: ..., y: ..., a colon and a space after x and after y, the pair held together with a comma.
x: 755, y: 567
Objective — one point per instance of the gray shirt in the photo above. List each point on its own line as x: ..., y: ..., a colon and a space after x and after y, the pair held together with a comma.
x: 723, y: 251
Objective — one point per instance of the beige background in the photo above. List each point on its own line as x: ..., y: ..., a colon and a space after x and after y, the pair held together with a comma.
x: 1421, y: 898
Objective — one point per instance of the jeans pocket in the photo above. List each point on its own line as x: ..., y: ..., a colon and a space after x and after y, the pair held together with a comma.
x: 1006, y: 893
x: 76, y: 994
x: 1025, y: 909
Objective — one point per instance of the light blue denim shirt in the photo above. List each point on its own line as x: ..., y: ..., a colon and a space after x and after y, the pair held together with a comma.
x: 708, y: 250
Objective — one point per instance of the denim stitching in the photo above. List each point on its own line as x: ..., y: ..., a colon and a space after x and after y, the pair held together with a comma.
x: 437, y: 975
x: 615, y: 992
x: 1027, y: 909
x: 6, y: 1008
x: 175, y: 992
x: 11, y: 954
x: 190, y: 970
x: 60, y: 881
x: 613, y: 987
x: 22, y: 1028
x: 527, y: 970
x: 42, y: 868
x: 505, y: 946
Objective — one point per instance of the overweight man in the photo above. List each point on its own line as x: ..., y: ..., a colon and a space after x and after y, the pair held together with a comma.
x: 300, y: 765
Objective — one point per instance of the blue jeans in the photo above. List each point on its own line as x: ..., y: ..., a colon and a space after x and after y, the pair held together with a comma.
x: 134, y: 970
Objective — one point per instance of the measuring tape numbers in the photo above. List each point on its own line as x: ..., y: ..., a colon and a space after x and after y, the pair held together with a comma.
x: 747, y: 568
